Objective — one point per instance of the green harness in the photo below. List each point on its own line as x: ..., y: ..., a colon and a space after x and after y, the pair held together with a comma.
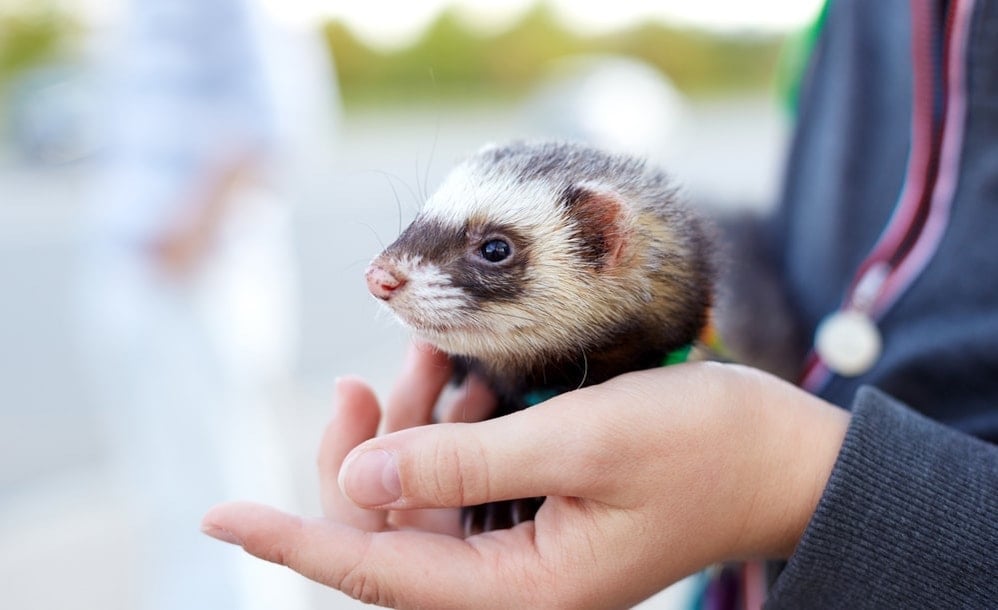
x: 677, y: 356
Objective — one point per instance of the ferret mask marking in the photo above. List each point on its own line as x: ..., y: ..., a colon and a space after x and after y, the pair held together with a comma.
x: 455, y: 253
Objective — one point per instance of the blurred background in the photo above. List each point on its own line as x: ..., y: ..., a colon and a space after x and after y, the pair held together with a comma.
x: 190, y: 191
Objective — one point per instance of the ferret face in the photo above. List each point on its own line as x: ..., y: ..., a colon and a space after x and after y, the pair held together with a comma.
x: 511, y: 264
x: 467, y: 274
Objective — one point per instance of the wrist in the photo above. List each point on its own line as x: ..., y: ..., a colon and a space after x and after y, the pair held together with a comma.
x: 745, y: 460
x: 797, y: 438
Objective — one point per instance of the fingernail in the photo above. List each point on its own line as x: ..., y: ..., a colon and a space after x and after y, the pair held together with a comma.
x: 372, y: 478
x: 219, y: 533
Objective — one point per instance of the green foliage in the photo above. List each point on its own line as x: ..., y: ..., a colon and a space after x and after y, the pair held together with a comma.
x: 451, y: 59
x: 699, y: 61
x: 30, y: 39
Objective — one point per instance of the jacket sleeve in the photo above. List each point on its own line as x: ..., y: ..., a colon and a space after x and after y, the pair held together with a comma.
x: 909, y: 518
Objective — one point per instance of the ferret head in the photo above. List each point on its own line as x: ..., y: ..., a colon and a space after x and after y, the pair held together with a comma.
x: 529, y: 252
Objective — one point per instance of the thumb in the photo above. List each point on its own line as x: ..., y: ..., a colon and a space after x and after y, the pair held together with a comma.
x: 526, y: 454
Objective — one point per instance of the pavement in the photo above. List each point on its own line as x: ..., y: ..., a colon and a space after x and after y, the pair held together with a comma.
x: 65, y: 542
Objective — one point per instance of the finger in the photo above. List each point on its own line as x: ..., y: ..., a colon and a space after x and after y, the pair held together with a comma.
x: 525, y: 454
x: 438, y: 520
x: 473, y: 401
x: 354, y: 421
x: 396, y: 569
x: 411, y: 401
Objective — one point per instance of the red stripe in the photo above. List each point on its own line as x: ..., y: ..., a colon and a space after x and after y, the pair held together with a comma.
x: 949, y: 166
x: 923, y: 210
x: 922, y: 133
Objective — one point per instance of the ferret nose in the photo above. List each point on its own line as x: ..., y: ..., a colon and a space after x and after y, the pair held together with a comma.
x: 383, y: 280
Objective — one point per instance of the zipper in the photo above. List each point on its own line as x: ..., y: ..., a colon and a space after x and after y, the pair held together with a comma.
x: 922, y: 211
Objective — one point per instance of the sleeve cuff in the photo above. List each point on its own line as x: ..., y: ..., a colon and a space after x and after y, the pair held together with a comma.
x: 909, y: 518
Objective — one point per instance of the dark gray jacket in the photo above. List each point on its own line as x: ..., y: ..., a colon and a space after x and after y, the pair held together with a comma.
x: 910, y: 515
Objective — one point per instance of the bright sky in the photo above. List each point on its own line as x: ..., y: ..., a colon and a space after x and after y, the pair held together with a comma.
x: 395, y: 22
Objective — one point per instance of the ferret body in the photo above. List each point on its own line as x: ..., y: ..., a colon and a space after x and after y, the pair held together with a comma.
x: 544, y: 267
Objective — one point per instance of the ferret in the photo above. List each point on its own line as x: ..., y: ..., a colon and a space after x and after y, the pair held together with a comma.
x: 544, y: 267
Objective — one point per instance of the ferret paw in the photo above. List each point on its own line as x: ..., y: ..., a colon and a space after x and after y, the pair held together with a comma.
x: 498, y: 515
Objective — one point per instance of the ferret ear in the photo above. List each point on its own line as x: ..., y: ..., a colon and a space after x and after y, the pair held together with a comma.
x: 601, y: 222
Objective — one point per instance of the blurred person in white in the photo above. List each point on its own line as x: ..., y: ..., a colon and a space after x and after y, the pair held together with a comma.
x: 188, y: 279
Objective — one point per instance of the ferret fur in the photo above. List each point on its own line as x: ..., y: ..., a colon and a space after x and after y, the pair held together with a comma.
x: 608, y: 273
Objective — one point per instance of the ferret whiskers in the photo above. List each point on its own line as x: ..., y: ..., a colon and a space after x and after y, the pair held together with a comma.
x: 398, y: 200
x: 370, y: 228
x: 585, y: 370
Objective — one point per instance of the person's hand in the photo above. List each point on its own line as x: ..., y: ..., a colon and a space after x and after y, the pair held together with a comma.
x: 414, y: 401
x: 183, y: 243
x: 649, y: 477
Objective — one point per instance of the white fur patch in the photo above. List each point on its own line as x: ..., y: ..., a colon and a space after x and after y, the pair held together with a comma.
x: 501, y: 199
x: 429, y: 297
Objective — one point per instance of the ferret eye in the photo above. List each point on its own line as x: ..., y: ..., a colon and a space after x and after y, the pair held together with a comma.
x: 495, y: 250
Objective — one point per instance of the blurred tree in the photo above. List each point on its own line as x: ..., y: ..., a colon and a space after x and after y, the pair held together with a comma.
x: 517, y: 57
x: 700, y: 61
x: 30, y: 37
x: 452, y: 59
x: 448, y: 58
x: 358, y: 66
